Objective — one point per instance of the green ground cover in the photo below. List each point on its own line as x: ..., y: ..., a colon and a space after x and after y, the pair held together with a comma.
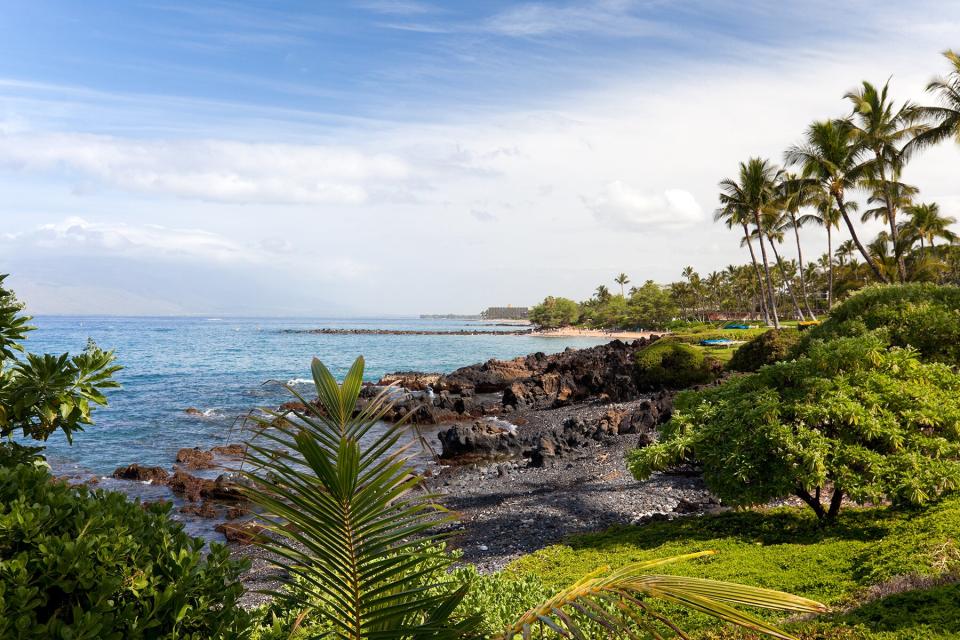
x: 786, y: 549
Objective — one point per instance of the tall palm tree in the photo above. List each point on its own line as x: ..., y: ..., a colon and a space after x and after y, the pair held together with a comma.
x: 926, y: 221
x: 831, y: 156
x: 733, y: 215
x: 602, y: 293
x: 883, y: 129
x: 621, y: 280
x: 775, y: 222
x: 754, y: 191
x: 795, y: 193
x: 827, y: 216
x: 944, y: 118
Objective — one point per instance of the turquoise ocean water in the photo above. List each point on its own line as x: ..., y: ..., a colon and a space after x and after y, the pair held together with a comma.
x: 223, y: 367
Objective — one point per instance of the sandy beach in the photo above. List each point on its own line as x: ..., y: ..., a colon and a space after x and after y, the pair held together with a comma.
x: 576, y: 332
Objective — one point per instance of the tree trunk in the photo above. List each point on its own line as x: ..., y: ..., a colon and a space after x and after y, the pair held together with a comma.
x: 814, y: 503
x: 756, y: 268
x: 830, y: 269
x: 835, y: 501
x: 789, y: 281
x: 892, y: 220
x: 766, y: 270
x: 856, y: 240
x: 803, y: 279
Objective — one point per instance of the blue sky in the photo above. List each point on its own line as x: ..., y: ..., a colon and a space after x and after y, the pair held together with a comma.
x: 398, y: 156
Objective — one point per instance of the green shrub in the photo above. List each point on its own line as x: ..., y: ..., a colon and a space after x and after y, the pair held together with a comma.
x: 852, y: 416
x: 673, y: 365
x: 93, y: 566
x: 923, y: 316
x: 768, y: 347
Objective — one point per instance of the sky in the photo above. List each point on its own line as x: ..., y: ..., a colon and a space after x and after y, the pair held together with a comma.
x: 373, y: 157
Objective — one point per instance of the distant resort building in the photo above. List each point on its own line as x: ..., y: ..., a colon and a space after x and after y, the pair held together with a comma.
x: 506, y: 313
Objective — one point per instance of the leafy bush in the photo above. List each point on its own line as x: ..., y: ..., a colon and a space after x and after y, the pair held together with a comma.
x: 674, y: 365
x: 768, y: 347
x: 92, y: 565
x: 923, y: 316
x: 868, y: 422
x: 42, y: 394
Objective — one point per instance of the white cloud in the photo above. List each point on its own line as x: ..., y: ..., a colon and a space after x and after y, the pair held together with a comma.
x: 624, y: 207
x: 215, y: 170
x: 77, y: 235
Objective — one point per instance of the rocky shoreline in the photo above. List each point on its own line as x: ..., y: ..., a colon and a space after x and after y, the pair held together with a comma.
x: 530, y: 451
x: 408, y: 332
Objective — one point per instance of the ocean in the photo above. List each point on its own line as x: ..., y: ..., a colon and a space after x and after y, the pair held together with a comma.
x: 226, y: 367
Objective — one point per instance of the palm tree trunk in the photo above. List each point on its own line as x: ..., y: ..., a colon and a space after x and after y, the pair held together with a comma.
x: 892, y: 220
x: 756, y: 269
x: 766, y: 270
x: 856, y: 240
x: 789, y: 281
x: 803, y: 279
x: 830, y: 269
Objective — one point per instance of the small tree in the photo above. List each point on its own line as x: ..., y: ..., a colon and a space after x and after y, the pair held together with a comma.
x: 555, y: 312
x: 651, y: 306
x: 853, y: 418
x: 43, y: 394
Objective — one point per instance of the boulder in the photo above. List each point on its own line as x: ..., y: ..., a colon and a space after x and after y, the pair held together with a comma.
x: 240, y: 533
x: 195, y: 458
x: 203, y: 510
x: 478, y: 440
x: 231, y: 450
x: 140, y: 473
x: 410, y: 380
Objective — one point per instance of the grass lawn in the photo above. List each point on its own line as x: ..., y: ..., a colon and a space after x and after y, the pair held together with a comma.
x: 785, y: 549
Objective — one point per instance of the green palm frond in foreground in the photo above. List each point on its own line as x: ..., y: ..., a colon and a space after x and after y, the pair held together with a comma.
x: 349, y: 521
x: 615, y: 601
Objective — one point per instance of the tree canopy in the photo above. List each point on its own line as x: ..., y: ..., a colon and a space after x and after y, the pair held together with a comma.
x: 43, y: 394
x: 852, y: 418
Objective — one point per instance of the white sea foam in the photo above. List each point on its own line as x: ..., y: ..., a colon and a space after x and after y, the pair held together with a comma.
x: 295, y: 381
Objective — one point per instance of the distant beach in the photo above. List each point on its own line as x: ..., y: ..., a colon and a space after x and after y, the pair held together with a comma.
x: 576, y: 332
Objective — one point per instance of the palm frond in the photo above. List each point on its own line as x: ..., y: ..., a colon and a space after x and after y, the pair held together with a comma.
x: 348, y: 519
x: 618, y: 602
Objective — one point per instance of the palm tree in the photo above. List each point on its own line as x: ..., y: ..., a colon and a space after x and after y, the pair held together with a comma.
x: 347, y: 519
x: 754, y: 192
x: 926, y: 221
x: 602, y: 293
x: 775, y: 222
x: 795, y: 193
x: 945, y: 117
x: 827, y: 216
x: 878, y: 126
x: 735, y: 215
x: 621, y: 280
x: 831, y: 157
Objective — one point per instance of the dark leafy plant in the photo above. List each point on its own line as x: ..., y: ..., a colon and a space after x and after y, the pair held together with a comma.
x: 671, y: 364
x: 768, y: 347
x: 919, y: 315
x: 94, y: 566
x: 349, y: 522
x: 43, y: 394
x: 852, y: 418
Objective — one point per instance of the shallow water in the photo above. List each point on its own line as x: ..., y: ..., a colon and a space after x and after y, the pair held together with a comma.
x: 224, y: 368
